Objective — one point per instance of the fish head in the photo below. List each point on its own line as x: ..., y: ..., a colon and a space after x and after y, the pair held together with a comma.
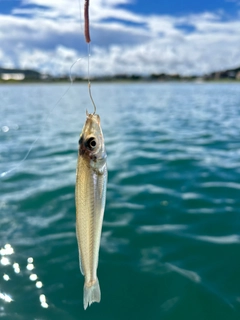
x: 91, y: 142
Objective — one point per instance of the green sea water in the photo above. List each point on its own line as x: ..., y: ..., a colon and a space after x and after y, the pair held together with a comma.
x: 170, y: 246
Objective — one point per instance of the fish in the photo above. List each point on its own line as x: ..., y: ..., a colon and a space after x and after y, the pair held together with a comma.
x: 90, y: 198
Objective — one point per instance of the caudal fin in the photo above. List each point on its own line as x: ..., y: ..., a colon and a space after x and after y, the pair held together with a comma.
x: 92, y: 293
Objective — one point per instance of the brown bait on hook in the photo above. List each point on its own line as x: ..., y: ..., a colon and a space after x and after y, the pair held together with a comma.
x: 86, y: 21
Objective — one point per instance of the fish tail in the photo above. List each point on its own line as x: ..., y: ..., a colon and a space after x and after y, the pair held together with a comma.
x: 92, y: 293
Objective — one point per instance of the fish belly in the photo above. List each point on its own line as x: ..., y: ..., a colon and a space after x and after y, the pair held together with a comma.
x: 90, y: 203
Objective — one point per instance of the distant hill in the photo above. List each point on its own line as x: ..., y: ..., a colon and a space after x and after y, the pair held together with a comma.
x: 6, y: 73
x: 226, y: 74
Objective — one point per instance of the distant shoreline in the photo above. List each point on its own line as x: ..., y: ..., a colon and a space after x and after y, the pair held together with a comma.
x: 32, y: 76
x: 144, y: 81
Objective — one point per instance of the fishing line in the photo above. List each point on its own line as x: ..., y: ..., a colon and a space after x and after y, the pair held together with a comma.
x: 89, y: 82
x: 3, y: 174
x: 88, y: 40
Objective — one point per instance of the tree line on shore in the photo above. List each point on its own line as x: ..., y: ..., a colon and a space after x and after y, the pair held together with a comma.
x: 19, y: 75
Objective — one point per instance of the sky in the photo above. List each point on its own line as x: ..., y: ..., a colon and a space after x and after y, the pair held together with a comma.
x: 127, y: 36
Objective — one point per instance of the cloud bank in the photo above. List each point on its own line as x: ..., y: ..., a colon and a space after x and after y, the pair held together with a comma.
x: 47, y: 35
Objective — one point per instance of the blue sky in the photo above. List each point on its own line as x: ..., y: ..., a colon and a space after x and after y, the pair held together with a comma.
x: 174, y: 7
x: 128, y: 36
x: 182, y: 7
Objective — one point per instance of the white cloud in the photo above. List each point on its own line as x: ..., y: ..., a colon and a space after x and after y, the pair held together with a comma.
x: 57, y: 61
x: 49, y: 37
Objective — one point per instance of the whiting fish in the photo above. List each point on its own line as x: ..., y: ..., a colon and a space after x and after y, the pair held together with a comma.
x: 90, y: 198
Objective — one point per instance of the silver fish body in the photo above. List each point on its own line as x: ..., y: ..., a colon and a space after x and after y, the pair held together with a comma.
x: 90, y: 196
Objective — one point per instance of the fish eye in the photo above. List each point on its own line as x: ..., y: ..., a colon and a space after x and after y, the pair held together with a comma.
x: 91, y: 143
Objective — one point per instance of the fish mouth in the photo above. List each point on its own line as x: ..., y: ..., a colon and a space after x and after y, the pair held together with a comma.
x: 92, y: 125
x: 93, y: 117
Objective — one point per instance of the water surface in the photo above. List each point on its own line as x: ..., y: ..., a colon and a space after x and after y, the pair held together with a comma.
x: 170, y: 242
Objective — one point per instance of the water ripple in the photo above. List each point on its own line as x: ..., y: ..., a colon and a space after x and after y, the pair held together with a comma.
x: 220, y: 184
x: 220, y: 240
x: 193, y: 276
x: 161, y: 228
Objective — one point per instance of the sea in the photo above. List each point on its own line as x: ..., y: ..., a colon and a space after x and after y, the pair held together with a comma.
x: 170, y: 246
